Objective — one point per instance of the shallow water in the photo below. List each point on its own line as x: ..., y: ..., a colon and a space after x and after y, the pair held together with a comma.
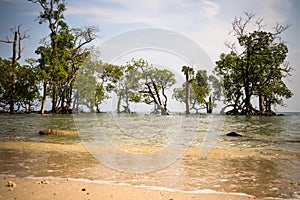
x: 186, y: 153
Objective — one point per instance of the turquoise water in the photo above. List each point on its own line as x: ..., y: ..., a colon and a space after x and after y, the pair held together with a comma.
x: 168, y: 152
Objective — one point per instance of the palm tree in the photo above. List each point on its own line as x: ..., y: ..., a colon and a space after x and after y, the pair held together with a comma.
x: 188, y: 72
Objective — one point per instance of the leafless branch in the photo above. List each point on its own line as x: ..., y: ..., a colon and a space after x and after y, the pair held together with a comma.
x: 7, y: 40
x: 259, y: 23
x: 239, y: 24
x: 286, y: 69
x: 231, y: 46
x: 280, y: 28
x: 20, y: 38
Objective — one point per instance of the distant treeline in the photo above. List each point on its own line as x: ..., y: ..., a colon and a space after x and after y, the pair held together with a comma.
x: 69, y: 73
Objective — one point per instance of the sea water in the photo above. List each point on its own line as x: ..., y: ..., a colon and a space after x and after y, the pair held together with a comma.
x: 186, y: 153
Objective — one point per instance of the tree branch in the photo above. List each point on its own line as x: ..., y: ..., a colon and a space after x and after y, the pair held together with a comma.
x: 239, y: 24
x: 280, y: 28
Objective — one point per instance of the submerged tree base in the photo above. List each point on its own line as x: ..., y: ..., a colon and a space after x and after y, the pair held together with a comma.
x: 250, y: 112
x: 246, y: 110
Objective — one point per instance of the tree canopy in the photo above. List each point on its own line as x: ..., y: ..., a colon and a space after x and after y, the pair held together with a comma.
x: 204, y: 92
x: 69, y: 73
x: 256, y: 69
x: 143, y: 82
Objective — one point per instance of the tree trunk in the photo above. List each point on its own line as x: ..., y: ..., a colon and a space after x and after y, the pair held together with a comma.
x: 119, y: 103
x: 76, y: 103
x: 245, y: 74
x: 98, y: 109
x: 209, y: 106
x: 54, y: 97
x: 13, y: 74
x: 268, y: 105
x: 187, y: 92
x: 69, y: 99
x: 127, y: 108
x: 44, y: 98
x: 62, y: 103
x: 261, y: 104
x: 165, y: 112
x: 247, y: 103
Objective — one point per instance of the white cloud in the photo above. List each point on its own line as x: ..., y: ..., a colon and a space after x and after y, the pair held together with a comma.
x: 210, y: 8
x: 205, y: 21
x: 14, y: 1
x: 153, y: 13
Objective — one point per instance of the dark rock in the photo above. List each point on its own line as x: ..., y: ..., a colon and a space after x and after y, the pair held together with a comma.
x: 11, y: 184
x: 57, y: 132
x: 234, y: 134
x: 43, y: 182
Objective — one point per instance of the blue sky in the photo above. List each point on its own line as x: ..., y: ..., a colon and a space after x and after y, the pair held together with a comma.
x: 206, y: 22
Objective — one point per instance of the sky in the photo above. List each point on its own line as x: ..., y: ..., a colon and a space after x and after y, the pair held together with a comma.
x: 205, y: 23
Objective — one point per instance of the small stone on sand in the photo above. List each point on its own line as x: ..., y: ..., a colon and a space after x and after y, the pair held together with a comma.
x: 11, y: 184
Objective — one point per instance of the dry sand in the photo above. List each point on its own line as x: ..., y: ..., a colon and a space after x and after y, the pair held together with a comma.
x: 64, y: 189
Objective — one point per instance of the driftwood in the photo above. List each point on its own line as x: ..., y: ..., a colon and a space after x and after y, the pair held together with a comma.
x: 57, y: 132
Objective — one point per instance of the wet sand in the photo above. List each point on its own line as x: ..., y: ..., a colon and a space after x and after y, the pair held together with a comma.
x: 43, y: 159
x: 80, y: 148
x: 64, y: 188
x: 56, y: 189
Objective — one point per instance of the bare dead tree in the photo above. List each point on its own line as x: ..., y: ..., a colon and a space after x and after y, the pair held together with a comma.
x: 17, y: 51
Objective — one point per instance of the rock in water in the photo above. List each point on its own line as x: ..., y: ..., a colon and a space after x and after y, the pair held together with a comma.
x: 57, y: 132
x: 234, y: 134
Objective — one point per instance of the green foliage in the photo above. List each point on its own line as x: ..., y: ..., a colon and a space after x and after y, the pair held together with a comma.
x: 53, y: 11
x: 61, y: 54
x: 95, y: 82
x: 188, y: 71
x: 5, y: 80
x: 26, y: 87
x: 257, y: 71
x: 179, y: 94
x: 128, y: 87
x: 142, y: 82
x: 85, y: 87
x: 217, y: 88
x: 202, y: 87
x: 27, y: 91
x: 228, y: 68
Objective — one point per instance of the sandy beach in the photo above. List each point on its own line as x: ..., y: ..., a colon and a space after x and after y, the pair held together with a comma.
x: 56, y: 189
x: 63, y: 188
x: 38, y: 171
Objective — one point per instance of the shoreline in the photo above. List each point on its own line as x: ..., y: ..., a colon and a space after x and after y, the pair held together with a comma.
x: 57, y: 181
x: 63, y: 189
x: 81, y: 148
